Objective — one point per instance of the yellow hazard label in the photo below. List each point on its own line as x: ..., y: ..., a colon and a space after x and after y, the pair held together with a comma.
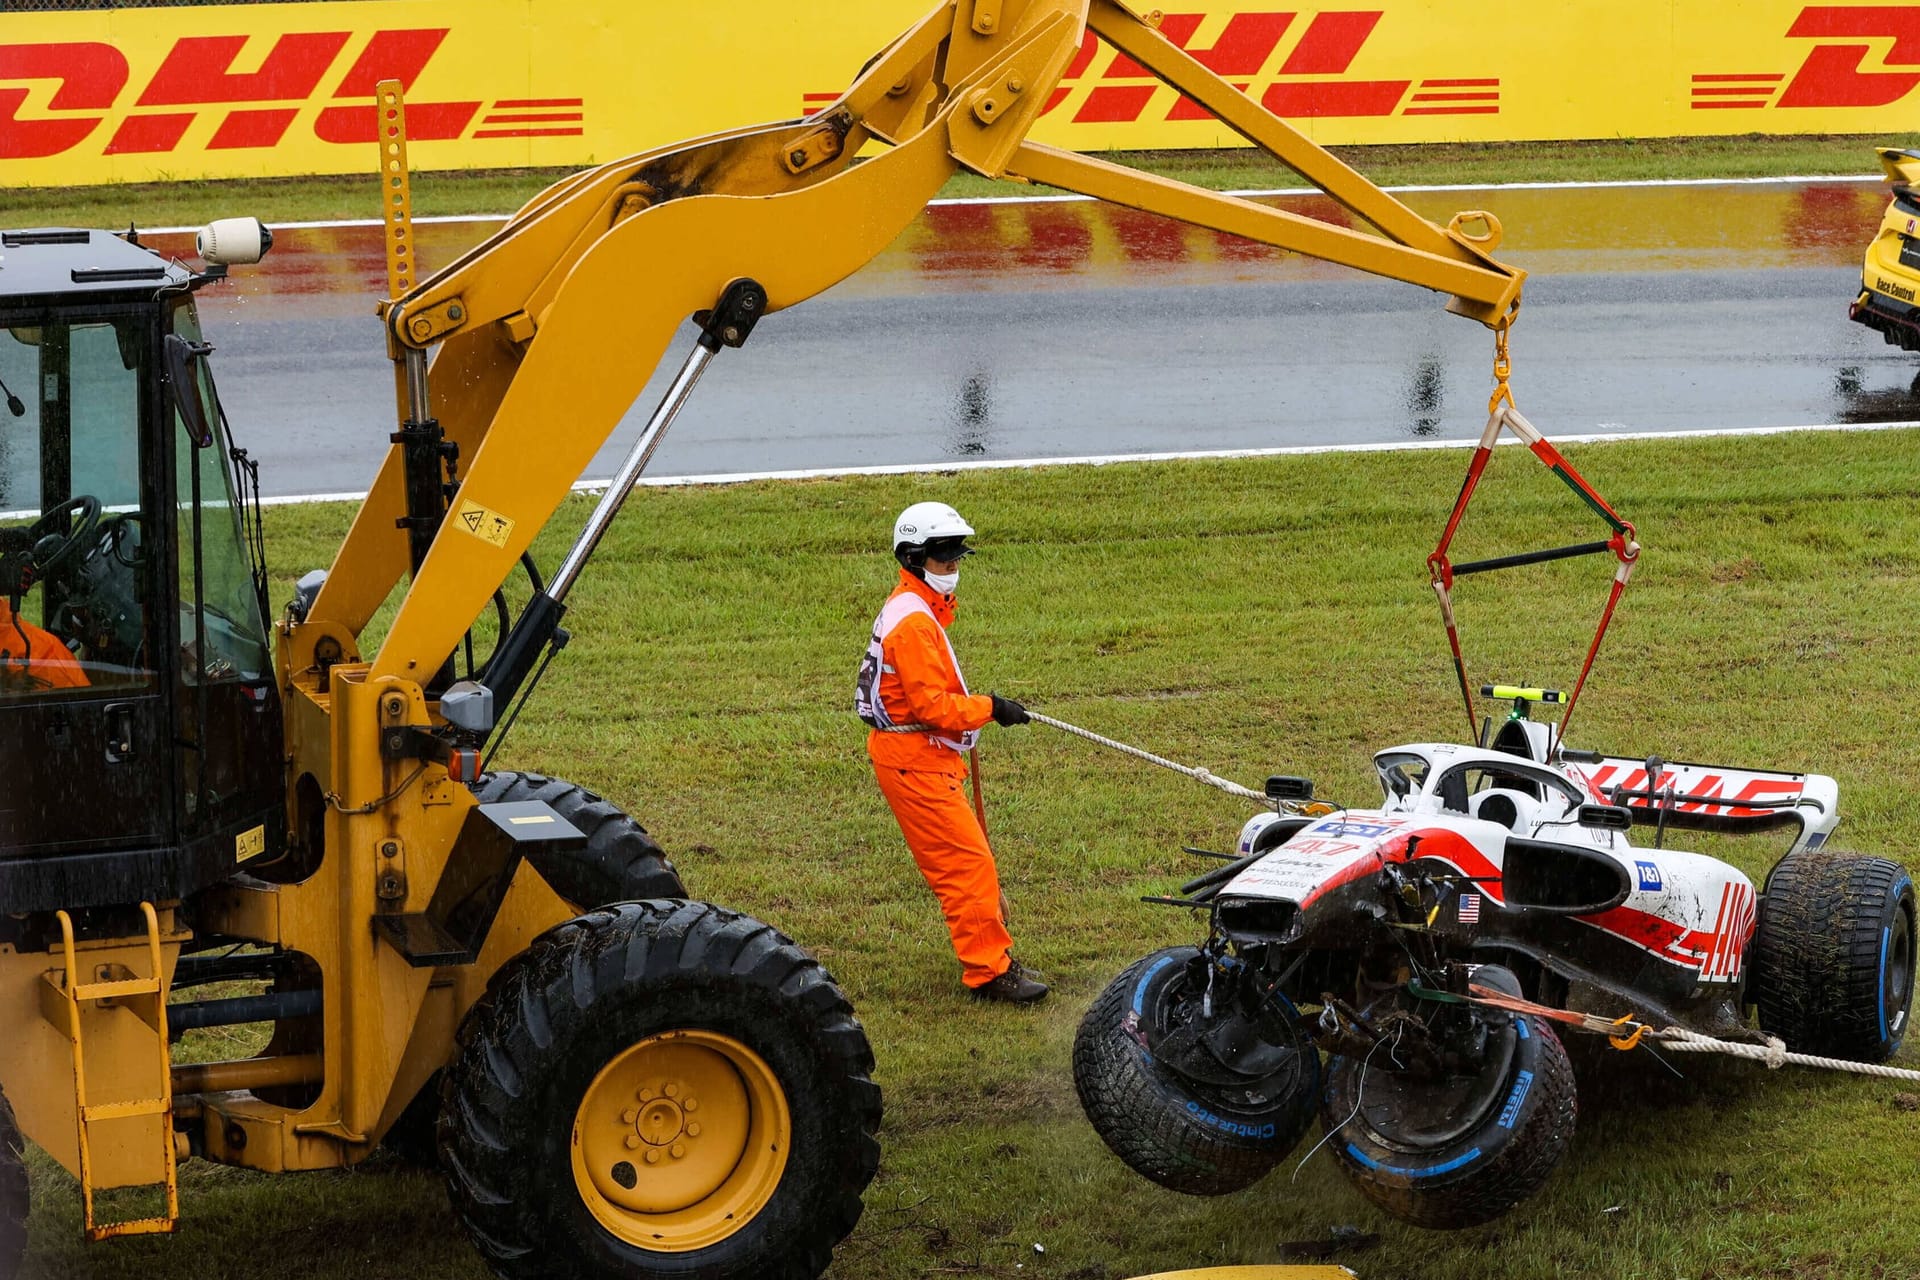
x: 484, y: 523
x: 250, y: 844
x: 531, y: 819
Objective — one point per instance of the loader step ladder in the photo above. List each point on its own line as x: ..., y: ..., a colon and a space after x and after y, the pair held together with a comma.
x: 146, y: 999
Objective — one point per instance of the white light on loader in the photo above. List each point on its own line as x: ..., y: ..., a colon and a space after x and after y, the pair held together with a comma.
x: 233, y: 242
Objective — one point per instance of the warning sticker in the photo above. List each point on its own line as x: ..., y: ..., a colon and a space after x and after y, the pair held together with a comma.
x: 250, y: 844
x: 484, y: 524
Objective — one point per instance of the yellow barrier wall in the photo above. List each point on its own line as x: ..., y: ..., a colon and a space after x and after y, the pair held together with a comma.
x: 231, y: 91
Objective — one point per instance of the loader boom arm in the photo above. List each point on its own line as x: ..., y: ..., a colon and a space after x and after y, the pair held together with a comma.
x: 545, y: 333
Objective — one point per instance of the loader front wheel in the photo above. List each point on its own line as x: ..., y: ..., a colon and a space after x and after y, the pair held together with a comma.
x: 15, y: 1195
x: 660, y: 1089
x: 620, y: 863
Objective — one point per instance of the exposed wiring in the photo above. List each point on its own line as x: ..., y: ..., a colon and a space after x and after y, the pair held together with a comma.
x: 1359, y: 1095
x: 371, y: 805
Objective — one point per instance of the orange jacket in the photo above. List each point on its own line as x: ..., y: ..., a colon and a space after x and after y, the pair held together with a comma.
x: 919, y: 684
x: 45, y: 664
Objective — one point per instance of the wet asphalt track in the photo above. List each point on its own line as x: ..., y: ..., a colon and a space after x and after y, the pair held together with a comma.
x: 1039, y: 330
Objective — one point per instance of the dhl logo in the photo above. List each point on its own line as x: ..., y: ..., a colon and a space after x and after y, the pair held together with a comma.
x: 1833, y: 73
x: 1295, y: 63
x: 56, y: 97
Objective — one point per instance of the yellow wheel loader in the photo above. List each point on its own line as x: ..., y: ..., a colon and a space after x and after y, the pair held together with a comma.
x: 618, y: 1079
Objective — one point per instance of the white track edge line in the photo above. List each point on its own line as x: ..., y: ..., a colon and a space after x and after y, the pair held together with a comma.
x: 1110, y: 459
x: 1622, y: 183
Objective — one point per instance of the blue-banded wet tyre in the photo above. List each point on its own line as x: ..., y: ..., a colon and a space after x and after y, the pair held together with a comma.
x: 1447, y: 1151
x: 1203, y: 1103
x: 620, y: 863
x: 660, y: 1089
x: 15, y: 1194
x: 1832, y: 960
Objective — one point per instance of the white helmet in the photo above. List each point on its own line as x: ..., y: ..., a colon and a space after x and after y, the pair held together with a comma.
x: 925, y: 522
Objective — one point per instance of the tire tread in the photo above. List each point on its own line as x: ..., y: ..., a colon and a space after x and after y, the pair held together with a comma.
x: 587, y: 971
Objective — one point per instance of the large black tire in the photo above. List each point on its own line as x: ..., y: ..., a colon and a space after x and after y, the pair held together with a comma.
x: 1451, y: 1153
x: 552, y: 1032
x: 621, y: 862
x: 1833, y: 956
x: 1201, y: 1138
x: 16, y: 1197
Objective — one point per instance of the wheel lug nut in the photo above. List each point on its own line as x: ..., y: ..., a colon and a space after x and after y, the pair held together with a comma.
x: 633, y: 1140
x: 646, y: 1095
x: 690, y: 1105
x: 693, y: 1130
x: 629, y: 1116
x: 673, y: 1091
x: 679, y: 1149
x: 653, y: 1157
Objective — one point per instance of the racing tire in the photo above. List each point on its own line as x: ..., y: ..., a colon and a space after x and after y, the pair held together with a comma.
x: 660, y: 1089
x: 620, y: 863
x: 1833, y: 955
x: 1486, y: 1157
x: 1183, y: 1134
x: 16, y: 1196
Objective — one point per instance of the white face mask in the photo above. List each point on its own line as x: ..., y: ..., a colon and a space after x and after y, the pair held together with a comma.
x: 944, y: 583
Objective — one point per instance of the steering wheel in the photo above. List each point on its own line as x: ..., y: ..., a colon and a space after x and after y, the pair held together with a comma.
x: 51, y: 547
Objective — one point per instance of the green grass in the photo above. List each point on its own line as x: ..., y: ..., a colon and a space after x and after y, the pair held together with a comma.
x: 1253, y: 617
x: 499, y: 191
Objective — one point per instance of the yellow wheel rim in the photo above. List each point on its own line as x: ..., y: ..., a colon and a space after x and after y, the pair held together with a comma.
x: 681, y: 1140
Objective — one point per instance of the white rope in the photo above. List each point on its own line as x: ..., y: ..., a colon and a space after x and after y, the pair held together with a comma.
x: 1626, y: 1033
x: 1774, y: 1054
x: 1197, y: 774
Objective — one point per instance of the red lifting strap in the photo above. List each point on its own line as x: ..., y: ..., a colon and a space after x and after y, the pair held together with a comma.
x: 1625, y: 549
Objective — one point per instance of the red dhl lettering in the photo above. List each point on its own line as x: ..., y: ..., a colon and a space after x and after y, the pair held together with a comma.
x: 256, y: 108
x: 1102, y: 86
x: 1833, y: 72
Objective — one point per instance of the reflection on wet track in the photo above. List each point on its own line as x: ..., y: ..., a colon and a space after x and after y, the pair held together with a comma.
x: 1066, y: 329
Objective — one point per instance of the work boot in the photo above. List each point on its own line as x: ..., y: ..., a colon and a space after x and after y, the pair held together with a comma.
x: 1017, y: 985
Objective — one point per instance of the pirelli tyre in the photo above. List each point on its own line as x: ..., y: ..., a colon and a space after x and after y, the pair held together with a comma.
x: 1203, y: 1105
x: 15, y: 1195
x: 1455, y: 1151
x: 1833, y: 956
x: 660, y: 1089
x: 621, y: 862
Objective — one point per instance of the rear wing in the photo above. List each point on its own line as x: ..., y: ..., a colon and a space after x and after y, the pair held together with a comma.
x: 1711, y: 797
x: 1902, y: 167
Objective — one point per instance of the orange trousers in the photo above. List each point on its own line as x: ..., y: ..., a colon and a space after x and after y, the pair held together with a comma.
x: 952, y: 853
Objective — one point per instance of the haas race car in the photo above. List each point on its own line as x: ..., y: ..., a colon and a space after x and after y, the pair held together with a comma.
x: 1425, y: 946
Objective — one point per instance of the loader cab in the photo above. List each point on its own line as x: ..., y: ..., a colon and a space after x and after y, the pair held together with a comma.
x: 140, y: 739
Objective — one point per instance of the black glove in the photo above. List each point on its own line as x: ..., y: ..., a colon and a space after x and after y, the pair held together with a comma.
x: 1007, y: 712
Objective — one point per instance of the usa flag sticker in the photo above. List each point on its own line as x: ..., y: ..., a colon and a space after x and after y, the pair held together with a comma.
x: 1469, y: 908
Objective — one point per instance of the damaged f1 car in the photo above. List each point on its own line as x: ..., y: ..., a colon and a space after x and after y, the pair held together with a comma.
x: 1425, y: 945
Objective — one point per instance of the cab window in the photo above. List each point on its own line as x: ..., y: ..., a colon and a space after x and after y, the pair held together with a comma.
x: 222, y: 633
x: 74, y: 593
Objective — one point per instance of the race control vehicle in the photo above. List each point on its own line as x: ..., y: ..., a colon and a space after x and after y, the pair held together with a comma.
x: 1889, y: 298
x: 1429, y: 946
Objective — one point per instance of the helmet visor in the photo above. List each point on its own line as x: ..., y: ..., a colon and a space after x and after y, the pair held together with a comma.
x: 947, y: 549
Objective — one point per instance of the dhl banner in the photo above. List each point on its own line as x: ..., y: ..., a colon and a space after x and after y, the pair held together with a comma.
x: 247, y: 90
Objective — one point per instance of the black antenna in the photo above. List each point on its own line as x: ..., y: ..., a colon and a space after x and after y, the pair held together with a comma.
x: 15, y: 405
